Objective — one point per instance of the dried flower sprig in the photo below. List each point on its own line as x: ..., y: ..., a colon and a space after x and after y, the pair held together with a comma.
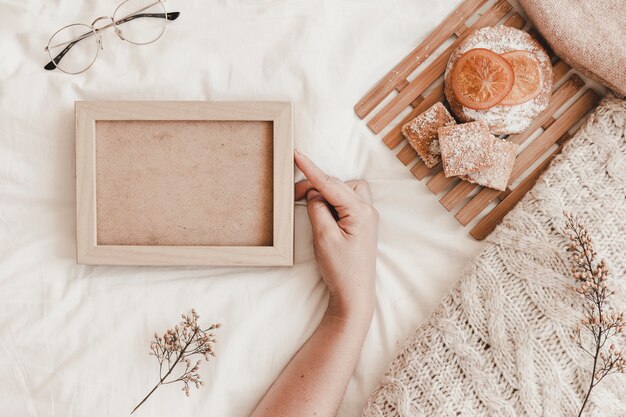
x: 591, y: 282
x: 176, y: 347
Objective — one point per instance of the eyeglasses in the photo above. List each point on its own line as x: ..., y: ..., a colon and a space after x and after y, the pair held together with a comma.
x: 74, y: 48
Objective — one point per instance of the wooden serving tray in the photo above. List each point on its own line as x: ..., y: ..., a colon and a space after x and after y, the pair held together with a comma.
x: 541, y: 142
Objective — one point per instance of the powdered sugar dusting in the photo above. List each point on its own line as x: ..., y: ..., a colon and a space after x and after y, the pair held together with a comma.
x: 503, y: 119
x: 421, y: 132
x: 497, y: 177
x: 466, y: 148
x: 434, y: 147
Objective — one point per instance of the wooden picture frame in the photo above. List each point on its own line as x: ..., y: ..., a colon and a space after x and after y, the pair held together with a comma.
x: 109, y: 136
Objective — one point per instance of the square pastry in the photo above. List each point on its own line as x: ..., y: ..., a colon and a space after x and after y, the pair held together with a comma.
x: 497, y: 177
x: 466, y: 148
x: 421, y: 133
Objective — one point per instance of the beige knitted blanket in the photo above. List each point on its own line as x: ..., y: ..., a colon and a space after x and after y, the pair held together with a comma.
x: 500, y: 344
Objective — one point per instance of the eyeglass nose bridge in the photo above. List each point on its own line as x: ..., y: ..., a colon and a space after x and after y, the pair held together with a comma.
x: 93, y: 24
x: 118, y: 32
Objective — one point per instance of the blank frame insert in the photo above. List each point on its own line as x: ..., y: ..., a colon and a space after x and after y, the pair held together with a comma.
x: 184, y: 183
x: 163, y: 183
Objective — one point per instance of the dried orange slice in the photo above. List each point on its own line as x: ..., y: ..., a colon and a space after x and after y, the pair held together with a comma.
x: 527, y: 77
x: 481, y: 79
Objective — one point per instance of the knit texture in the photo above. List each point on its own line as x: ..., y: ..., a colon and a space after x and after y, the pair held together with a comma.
x: 501, y: 342
x: 588, y: 35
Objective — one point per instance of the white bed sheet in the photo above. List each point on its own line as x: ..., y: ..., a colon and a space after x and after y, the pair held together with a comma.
x: 74, y: 339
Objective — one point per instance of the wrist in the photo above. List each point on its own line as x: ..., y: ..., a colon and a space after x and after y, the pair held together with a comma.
x: 352, y: 309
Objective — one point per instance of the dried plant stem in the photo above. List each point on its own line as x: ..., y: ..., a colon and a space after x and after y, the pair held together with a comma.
x: 597, y: 304
x: 147, y: 396
x: 591, y: 279
x: 596, y: 356
x: 162, y: 380
x: 176, y: 347
x: 591, y: 385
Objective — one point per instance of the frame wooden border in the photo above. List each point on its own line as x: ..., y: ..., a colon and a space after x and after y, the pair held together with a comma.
x: 87, y: 249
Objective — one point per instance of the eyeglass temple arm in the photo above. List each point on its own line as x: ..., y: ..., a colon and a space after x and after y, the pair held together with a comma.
x: 53, y: 64
x: 168, y: 16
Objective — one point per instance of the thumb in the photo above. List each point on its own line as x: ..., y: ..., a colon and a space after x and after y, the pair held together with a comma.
x: 319, y: 213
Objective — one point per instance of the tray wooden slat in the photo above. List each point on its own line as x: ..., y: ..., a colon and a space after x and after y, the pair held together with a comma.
x: 546, y: 119
x: 420, y: 170
x: 488, y: 223
x: 407, y: 154
x: 395, y: 137
x: 510, y: 198
x: 402, y: 84
x: 457, y: 194
x: 439, y: 182
x: 559, y: 70
x: 554, y: 129
x: 573, y: 84
x: 398, y: 74
x: 572, y: 115
x: 540, y: 145
x: 432, y: 71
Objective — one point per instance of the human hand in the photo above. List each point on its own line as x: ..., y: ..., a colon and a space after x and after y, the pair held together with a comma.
x: 344, y: 227
x: 345, y: 235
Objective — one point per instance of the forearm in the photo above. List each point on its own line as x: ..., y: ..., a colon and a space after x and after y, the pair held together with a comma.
x: 315, y: 380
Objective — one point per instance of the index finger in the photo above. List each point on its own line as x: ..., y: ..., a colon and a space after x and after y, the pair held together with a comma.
x: 337, y: 194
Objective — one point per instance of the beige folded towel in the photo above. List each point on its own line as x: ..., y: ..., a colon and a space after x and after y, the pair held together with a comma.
x: 589, y: 35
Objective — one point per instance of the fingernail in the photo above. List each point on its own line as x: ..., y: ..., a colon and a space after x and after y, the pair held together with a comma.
x: 310, y: 194
x: 297, y: 151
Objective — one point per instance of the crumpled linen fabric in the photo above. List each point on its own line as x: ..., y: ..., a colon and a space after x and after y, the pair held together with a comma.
x: 500, y: 343
x: 74, y: 339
